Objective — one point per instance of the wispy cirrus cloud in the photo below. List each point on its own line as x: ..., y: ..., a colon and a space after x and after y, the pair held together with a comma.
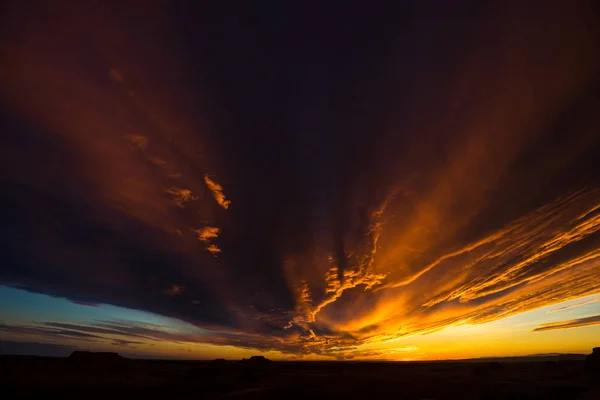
x: 572, y: 323
x: 54, y: 332
x: 181, y: 196
x: 594, y: 300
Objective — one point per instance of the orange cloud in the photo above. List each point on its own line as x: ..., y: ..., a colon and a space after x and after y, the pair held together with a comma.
x: 213, y: 249
x: 157, y: 161
x: 174, y: 290
x: 217, y: 191
x: 505, y: 273
x: 181, y: 196
x: 206, y: 233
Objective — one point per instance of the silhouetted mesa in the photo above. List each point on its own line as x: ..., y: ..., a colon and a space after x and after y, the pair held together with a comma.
x: 88, y: 356
x: 218, y: 363
x: 257, y: 367
x: 261, y: 360
x: 592, y: 362
x: 105, y: 362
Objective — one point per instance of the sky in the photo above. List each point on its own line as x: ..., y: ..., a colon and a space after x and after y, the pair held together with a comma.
x: 404, y: 181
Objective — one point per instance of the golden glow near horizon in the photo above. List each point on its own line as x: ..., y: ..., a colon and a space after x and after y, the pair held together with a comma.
x: 518, y: 335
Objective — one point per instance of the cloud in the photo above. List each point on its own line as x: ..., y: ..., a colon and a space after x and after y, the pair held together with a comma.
x: 85, y: 303
x: 213, y: 249
x: 112, y: 330
x: 206, y: 233
x: 573, y: 323
x: 50, y: 332
x: 174, y: 290
x: 125, y: 333
x: 217, y: 191
x: 374, y: 207
x: 125, y: 343
x: 181, y: 196
x: 387, y: 354
x: 120, y: 332
x: 138, y: 141
x: 594, y: 300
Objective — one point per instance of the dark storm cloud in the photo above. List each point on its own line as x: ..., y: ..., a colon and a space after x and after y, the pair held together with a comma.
x: 298, y: 179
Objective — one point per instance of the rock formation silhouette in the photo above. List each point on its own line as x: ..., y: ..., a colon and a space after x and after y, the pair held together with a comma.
x: 592, y: 362
x: 88, y: 356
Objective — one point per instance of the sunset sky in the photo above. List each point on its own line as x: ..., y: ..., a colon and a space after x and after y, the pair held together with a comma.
x: 207, y: 180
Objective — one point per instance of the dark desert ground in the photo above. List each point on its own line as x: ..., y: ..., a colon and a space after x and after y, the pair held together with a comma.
x: 536, y: 377
x: 300, y: 200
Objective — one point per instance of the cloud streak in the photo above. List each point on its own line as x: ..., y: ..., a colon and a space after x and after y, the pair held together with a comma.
x: 573, y: 323
x: 217, y: 192
x: 574, y: 305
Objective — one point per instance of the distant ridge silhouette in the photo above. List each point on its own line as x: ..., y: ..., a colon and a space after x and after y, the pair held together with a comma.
x: 103, y: 356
